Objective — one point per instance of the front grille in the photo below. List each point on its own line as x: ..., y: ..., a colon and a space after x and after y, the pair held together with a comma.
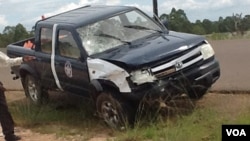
x: 177, y: 64
x: 165, y: 72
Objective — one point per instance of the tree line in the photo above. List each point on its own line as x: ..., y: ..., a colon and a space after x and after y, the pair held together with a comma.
x: 13, y: 34
x: 235, y: 24
x: 177, y: 21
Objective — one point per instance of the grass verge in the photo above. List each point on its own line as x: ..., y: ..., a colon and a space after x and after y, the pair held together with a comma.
x: 227, y: 36
x: 77, y: 122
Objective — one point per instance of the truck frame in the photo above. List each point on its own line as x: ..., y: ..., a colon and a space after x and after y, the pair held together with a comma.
x: 118, y: 56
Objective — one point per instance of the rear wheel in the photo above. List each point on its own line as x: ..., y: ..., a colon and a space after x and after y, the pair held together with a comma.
x: 34, y: 91
x: 116, y: 113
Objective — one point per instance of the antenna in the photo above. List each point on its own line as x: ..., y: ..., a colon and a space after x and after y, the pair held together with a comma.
x: 155, y: 7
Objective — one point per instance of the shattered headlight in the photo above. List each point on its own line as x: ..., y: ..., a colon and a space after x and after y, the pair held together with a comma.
x: 207, y: 51
x: 142, y: 76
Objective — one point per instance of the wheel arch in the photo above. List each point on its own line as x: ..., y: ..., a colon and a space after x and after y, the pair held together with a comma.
x: 27, y: 70
x: 101, y: 85
x: 107, y: 72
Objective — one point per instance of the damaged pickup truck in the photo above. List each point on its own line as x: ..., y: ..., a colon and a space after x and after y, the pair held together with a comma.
x: 118, y: 56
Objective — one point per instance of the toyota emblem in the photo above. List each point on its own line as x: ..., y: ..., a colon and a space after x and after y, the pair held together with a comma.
x: 178, y: 65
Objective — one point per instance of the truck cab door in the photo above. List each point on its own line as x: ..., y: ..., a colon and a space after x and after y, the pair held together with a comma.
x: 71, y: 71
x: 43, y: 56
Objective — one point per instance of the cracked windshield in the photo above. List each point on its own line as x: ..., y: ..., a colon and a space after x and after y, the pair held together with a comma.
x: 115, y: 31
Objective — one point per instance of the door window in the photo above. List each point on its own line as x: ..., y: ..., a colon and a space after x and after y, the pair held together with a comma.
x: 67, y: 45
x: 46, y: 40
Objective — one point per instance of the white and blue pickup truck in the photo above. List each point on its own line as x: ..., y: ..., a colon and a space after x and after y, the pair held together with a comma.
x: 118, y: 56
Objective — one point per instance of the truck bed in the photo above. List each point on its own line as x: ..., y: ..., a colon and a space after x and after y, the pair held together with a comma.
x: 20, y: 48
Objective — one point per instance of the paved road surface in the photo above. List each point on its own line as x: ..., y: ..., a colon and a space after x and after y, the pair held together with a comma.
x: 234, y: 57
x: 7, y: 80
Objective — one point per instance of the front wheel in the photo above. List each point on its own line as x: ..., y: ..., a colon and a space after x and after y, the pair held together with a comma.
x: 34, y: 91
x: 116, y: 113
x: 197, y: 93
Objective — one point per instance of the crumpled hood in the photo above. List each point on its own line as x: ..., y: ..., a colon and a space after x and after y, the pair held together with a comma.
x: 151, y: 49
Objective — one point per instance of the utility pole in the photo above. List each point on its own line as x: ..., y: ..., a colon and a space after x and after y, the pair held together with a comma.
x: 155, y: 7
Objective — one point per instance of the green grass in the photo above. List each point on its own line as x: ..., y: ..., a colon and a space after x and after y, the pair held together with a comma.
x: 202, y: 124
x: 78, y: 121
x: 55, y: 117
x: 227, y: 36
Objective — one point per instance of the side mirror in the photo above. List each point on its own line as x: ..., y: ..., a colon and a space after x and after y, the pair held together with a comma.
x: 165, y: 23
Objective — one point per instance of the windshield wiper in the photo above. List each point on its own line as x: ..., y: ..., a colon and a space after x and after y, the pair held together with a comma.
x: 113, y: 37
x: 165, y: 30
x: 142, y: 28
x: 146, y: 28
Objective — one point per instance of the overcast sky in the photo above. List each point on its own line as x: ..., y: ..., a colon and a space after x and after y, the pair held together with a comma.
x: 27, y: 12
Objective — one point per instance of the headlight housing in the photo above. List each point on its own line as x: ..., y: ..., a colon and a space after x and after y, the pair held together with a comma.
x: 142, y: 76
x: 207, y: 51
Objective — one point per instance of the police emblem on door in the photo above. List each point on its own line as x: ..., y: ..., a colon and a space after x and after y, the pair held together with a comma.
x: 68, y: 69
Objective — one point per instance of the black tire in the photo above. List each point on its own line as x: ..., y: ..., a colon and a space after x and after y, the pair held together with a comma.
x: 116, y: 113
x: 34, y: 91
x: 197, y: 93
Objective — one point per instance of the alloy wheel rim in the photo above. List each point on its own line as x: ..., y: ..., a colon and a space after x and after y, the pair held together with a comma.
x: 110, y: 114
x: 32, y: 91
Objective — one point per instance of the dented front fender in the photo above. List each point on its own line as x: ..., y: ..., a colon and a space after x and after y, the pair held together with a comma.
x: 103, y: 70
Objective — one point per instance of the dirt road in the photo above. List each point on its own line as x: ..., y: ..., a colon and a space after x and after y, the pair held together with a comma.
x: 234, y: 57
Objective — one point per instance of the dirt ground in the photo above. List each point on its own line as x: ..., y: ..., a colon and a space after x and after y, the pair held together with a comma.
x: 233, y: 56
x: 28, y: 135
x: 220, y: 102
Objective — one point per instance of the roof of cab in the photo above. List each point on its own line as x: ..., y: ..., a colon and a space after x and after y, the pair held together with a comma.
x: 84, y: 15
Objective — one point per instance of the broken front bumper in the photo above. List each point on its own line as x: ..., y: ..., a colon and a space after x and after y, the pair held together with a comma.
x: 200, y: 75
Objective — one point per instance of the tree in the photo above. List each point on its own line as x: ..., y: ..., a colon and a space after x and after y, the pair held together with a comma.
x: 165, y: 19
x: 237, y: 20
x: 20, y: 33
x: 246, y: 22
x: 9, y: 30
x: 197, y: 28
x: 178, y: 21
x: 12, y: 34
x: 241, y: 24
x: 208, y: 26
x: 7, y: 36
x: 229, y: 24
